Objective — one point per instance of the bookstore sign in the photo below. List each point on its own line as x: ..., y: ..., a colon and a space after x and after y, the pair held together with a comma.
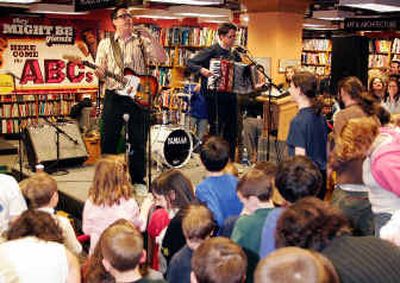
x: 32, y: 49
x: 371, y: 24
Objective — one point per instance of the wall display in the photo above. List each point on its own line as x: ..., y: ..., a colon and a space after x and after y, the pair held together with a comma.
x: 32, y: 50
x: 284, y: 63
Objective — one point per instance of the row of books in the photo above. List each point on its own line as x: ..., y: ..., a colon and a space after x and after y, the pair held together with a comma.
x: 32, y: 109
x: 319, y: 70
x: 188, y: 36
x: 317, y: 44
x: 22, y: 98
x: 396, y: 46
x: 379, y: 46
x: 163, y: 75
x: 378, y: 61
x: 315, y: 58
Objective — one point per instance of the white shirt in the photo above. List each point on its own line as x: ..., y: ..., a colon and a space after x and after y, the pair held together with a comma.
x: 31, y: 260
x: 12, y: 203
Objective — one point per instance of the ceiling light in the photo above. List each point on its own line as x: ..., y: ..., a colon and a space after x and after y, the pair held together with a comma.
x: 383, y: 6
x: 189, y: 2
x: 19, y: 1
x: 332, y: 15
x: 41, y: 8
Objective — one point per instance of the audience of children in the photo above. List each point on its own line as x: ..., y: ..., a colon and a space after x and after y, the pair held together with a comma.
x: 40, y: 192
x: 35, y: 252
x: 294, y: 238
x: 218, y: 190
x: 197, y: 225
x: 110, y: 198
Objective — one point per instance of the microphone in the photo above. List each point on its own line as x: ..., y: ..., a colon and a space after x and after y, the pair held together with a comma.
x: 125, y: 117
x: 241, y: 49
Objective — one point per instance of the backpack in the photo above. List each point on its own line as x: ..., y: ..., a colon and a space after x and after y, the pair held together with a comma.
x: 385, y: 162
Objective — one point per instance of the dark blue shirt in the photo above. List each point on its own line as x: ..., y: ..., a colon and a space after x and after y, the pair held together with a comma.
x: 309, y: 131
x: 180, y: 266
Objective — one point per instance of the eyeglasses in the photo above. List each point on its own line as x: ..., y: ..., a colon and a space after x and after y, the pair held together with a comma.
x: 124, y: 16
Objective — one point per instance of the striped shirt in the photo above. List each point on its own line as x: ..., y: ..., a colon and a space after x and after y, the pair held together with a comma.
x: 131, y: 53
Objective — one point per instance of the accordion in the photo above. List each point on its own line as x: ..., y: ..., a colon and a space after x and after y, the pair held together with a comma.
x: 229, y: 76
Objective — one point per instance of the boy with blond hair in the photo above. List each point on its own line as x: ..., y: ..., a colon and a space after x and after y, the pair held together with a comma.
x: 197, y: 225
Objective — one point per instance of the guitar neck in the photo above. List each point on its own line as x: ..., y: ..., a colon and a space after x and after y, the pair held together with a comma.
x: 107, y: 73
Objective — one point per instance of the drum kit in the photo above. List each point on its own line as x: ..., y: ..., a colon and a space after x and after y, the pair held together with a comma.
x: 172, y: 140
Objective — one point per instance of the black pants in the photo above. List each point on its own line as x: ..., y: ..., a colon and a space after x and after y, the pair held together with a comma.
x: 222, y: 117
x: 115, y: 106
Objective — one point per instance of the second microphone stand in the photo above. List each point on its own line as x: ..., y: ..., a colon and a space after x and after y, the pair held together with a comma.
x: 59, y: 132
x: 269, y: 84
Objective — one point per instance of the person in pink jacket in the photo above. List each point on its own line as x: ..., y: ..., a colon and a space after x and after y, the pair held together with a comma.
x: 110, y: 198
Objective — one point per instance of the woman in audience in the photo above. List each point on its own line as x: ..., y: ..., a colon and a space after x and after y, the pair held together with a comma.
x: 350, y: 194
x: 377, y: 88
x: 173, y: 192
x: 313, y: 224
x: 381, y: 174
x: 308, y: 132
x: 110, y: 198
x: 391, y: 100
x: 35, y: 252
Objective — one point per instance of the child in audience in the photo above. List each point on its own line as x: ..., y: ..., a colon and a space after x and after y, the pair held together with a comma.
x: 350, y: 194
x: 122, y: 249
x: 218, y: 190
x: 41, y: 193
x: 35, y: 252
x: 295, y: 265
x: 308, y: 132
x: 254, y: 190
x: 197, y: 225
x: 173, y: 192
x: 12, y: 203
x: 218, y: 260
x: 110, y: 198
x: 313, y: 224
x: 297, y: 177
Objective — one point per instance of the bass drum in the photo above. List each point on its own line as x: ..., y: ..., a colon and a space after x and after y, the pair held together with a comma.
x: 171, y: 145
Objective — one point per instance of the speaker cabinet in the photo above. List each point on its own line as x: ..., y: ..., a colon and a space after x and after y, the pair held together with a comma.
x: 41, y: 144
x: 349, y: 58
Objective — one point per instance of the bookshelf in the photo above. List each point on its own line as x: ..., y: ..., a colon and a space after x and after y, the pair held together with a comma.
x: 23, y: 109
x: 180, y: 43
x: 382, y: 52
x: 316, y: 56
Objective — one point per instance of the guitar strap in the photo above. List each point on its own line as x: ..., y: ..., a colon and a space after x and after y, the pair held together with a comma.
x: 117, y: 52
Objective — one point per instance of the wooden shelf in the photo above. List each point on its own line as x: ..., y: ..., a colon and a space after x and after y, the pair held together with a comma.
x: 317, y: 51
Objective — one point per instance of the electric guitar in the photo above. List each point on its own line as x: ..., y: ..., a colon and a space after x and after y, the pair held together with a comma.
x: 137, y: 87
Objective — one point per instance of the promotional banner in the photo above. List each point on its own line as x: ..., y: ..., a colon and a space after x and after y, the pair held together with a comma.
x: 33, y: 50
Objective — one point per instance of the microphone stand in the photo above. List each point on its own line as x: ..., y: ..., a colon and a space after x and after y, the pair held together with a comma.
x: 268, y: 84
x: 58, y: 132
x: 20, y: 134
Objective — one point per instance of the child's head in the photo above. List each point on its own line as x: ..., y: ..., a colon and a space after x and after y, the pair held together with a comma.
x: 111, y: 181
x: 40, y: 190
x: 197, y: 224
x: 295, y: 265
x: 219, y: 260
x: 122, y: 248
x: 298, y: 177
x: 254, y: 187
x: 172, y: 189
x: 270, y: 170
x: 215, y: 154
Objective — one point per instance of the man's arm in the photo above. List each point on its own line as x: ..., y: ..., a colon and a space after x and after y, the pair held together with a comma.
x: 156, y: 50
x: 198, y: 63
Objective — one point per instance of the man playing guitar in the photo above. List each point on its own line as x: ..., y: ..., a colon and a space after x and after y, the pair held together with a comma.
x: 129, y: 47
